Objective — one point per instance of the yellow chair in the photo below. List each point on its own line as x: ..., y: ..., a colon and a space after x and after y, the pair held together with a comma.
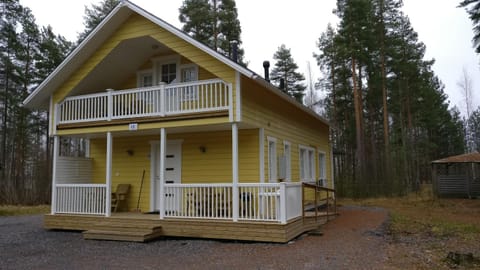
x: 119, y: 195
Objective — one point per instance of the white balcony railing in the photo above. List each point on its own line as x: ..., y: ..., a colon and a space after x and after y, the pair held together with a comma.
x: 162, y: 100
x: 86, y: 199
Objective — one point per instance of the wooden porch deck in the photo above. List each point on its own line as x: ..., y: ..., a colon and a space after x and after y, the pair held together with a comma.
x: 144, y: 227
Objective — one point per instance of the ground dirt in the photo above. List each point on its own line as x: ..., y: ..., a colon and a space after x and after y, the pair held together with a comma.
x: 368, y: 234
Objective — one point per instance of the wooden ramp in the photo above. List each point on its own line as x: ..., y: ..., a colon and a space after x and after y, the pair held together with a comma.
x: 115, y: 231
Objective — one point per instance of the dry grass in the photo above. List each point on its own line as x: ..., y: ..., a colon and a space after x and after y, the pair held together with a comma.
x: 15, y: 210
x: 422, y: 213
x: 425, y: 229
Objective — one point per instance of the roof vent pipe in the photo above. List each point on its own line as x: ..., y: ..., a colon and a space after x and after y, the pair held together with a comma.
x: 234, y: 50
x: 266, y: 66
x: 282, y: 84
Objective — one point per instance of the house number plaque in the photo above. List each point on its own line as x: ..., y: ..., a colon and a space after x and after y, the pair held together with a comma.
x: 132, y: 126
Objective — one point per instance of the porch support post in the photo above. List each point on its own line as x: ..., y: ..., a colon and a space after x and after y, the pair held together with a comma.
x: 163, y: 144
x: 235, y: 193
x: 108, y: 177
x: 54, y: 174
x: 283, y: 203
x: 261, y: 154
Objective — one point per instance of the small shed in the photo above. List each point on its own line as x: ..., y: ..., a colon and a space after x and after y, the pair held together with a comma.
x: 457, y: 176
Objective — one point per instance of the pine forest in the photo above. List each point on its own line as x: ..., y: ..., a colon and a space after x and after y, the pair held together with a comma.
x: 388, y: 111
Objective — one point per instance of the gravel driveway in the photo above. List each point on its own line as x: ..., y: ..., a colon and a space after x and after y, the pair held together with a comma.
x: 354, y: 240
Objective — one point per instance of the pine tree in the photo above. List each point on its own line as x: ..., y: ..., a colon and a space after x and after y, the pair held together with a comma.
x: 474, y: 124
x: 384, y: 100
x: 94, y: 15
x: 214, y: 23
x: 473, y: 9
x: 286, y: 69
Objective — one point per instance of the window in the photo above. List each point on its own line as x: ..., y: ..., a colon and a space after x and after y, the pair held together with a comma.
x: 307, y: 163
x: 288, y: 160
x: 168, y: 73
x: 144, y: 78
x: 272, y: 160
x: 322, y: 166
x: 189, y: 73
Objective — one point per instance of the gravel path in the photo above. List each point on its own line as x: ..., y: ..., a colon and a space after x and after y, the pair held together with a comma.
x: 354, y: 240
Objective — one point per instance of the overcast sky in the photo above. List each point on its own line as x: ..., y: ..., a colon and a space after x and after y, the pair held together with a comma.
x: 445, y: 29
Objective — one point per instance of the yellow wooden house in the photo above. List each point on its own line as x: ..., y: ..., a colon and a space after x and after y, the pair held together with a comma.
x: 225, y: 153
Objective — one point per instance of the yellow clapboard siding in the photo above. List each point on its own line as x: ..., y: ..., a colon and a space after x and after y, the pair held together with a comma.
x: 137, y: 26
x: 285, y: 122
x: 213, y: 166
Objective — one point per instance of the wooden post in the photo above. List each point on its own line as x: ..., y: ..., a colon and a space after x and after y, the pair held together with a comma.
x: 261, y: 146
x: 163, y: 100
x: 54, y: 174
x: 235, y: 193
x: 108, y: 180
x: 161, y: 195
x: 283, y: 203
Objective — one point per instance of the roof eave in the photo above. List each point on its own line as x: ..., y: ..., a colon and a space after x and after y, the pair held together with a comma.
x: 35, y: 99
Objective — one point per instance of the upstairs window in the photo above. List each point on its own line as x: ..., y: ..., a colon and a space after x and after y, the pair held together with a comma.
x: 168, y: 73
x: 144, y: 78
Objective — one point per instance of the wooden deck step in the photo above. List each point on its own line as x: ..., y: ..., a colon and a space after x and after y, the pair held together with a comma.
x: 122, y: 234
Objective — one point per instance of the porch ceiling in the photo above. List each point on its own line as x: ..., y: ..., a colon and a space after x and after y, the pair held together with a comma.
x: 120, y: 65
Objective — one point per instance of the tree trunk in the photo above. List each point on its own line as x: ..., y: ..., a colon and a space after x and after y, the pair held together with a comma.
x: 357, y: 98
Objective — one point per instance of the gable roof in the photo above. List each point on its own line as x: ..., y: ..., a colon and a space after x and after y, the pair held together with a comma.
x: 39, y: 98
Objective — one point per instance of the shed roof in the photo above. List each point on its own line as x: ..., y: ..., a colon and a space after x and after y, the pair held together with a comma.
x: 464, y: 158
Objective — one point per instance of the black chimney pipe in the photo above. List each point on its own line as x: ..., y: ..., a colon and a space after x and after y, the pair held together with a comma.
x: 234, y: 50
x: 282, y: 84
x: 266, y: 66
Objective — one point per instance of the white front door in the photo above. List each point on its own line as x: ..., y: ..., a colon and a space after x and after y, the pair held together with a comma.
x: 173, y: 171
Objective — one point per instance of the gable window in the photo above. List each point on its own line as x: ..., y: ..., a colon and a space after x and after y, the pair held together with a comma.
x: 272, y: 160
x: 168, y: 73
x: 307, y: 163
x: 189, y: 73
x: 144, y: 78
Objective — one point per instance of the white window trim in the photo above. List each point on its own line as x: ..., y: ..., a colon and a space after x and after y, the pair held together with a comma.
x: 288, y: 163
x: 272, y: 167
x: 141, y: 74
x: 165, y: 60
x: 190, y: 65
x: 191, y: 92
x: 310, y: 163
x: 322, y: 166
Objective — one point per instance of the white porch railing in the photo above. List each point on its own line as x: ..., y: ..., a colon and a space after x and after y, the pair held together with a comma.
x: 80, y: 199
x: 161, y: 100
x: 212, y: 201
x: 277, y: 202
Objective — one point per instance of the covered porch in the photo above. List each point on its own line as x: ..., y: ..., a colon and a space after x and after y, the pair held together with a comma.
x: 80, y: 203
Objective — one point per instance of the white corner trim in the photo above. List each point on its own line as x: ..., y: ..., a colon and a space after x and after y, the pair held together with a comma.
x: 238, y: 97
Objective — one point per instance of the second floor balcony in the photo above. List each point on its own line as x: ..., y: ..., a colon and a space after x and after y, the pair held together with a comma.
x: 179, y: 99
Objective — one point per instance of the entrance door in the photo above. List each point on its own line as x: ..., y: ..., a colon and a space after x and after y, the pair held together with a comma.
x: 173, y: 172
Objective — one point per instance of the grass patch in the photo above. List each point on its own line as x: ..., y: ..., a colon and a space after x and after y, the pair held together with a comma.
x: 16, y: 210
x: 421, y: 213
